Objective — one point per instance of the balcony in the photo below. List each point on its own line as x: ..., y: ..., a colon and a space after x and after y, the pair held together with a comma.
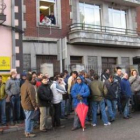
x: 126, y: 2
x: 2, y: 8
x: 104, y: 36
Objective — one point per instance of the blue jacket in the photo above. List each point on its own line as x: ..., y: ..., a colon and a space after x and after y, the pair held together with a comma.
x: 126, y: 88
x: 81, y: 89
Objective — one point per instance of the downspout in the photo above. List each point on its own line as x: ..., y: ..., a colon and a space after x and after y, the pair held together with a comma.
x: 13, y: 35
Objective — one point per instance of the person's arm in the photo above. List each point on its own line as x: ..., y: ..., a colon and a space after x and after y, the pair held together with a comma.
x: 86, y: 92
x: 7, y: 88
x: 31, y: 92
x: 69, y: 84
x: 6, y: 95
x: 132, y: 79
x: 73, y: 91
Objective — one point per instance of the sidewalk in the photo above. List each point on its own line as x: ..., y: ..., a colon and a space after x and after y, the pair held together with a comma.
x: 6, y: 129
x: 18, y: 127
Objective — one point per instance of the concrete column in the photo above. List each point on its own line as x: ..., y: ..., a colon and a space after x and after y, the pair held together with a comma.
x: 131, y: 60
x: 104, y: 15
x: 119, y: 61
x: 33, y: 58
x: 129, y: 19
x: 75, y: 10
x: 99, y: 62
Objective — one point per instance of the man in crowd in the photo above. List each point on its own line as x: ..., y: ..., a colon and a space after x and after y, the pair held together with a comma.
x: 71, y: 82
x: 126, y: 95
x: 105, y: 75
x: 39, y: 78
x: 13, y: 91
x: 44, y: 101
x: 111, y: 97
x: 3, y: 96
x: 80, y: 92
x: 28, y: 102
x: 98, y: 91
x: 117, y: 78
x: 57, y: 99
x: 135, y: 88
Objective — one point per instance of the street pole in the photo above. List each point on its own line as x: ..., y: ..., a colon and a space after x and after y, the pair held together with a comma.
x: 13, y: 35
x: 60, y: 50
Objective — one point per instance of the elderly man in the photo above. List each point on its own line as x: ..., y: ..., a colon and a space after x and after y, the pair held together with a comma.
x: 13, y: 91
x: 126, y: 95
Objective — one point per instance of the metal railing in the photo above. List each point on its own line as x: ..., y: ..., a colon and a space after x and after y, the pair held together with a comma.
x: 2, y: 7
x: 104, y: 29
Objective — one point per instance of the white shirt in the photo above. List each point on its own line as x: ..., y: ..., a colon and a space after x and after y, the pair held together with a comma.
x: 57, y: 94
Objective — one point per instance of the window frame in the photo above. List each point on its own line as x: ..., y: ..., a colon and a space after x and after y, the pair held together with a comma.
x: 94, y: 7
x: 117, y: 29
x: 57, y: 13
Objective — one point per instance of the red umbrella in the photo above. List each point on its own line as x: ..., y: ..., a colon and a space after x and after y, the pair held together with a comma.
x: 82, y: 110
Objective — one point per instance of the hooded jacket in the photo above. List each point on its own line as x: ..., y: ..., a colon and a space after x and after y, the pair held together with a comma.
x: 81, y: 89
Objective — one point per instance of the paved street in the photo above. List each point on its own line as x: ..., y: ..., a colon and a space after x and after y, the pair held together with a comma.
x: 119, y: 130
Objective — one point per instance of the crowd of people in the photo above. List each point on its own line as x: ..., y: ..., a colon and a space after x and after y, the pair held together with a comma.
x: 58, y: 96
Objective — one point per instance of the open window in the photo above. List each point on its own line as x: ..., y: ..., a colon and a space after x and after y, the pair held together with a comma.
x: 49, y: 12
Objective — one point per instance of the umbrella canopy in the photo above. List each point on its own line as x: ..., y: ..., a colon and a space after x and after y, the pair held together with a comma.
x: 82, y: 110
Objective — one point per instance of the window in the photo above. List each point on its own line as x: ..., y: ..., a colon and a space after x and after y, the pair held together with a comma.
x: 125, y: 61
x: 89, y: 14
x: 117, y: 19
x: 49, y: 12
x: 93, y: 63
x: 76, y: 59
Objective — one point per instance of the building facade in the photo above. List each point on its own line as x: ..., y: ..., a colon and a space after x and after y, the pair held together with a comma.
x: 10, y: 36
x: 97, y: 34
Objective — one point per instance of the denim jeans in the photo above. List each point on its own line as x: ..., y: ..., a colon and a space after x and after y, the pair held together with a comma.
x: 15, y: 108
x: 76, y: 123
x: 111, y: 106
x: 69, y: 105
x: 63, y: 107
x: 3, y: 111
x: 28, y: 122
x: 126, y: 109
x: 95, y: 105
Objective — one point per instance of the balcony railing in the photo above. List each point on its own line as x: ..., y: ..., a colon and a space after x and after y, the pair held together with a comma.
x: 104, y: 29
x: 2, y: 7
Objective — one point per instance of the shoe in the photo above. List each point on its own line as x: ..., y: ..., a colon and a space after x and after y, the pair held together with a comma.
x: 126, y: 117
x: 93, y: 125
x: 43, y: 130
x: 29, y: 135
x: 106, y: 124
x: 61, y: 126
x: 3, y: 124
x: 112, y: 120
x: 74, y: 128
x: 12, y: 123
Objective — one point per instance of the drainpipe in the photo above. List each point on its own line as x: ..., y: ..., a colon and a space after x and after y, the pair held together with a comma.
x: 13, y: 35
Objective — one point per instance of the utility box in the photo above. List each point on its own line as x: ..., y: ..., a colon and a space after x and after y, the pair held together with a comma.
x: 47, y: 68
x: 77, y: 67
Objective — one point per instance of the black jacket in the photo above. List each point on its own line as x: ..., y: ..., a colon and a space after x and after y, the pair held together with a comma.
x: 44, y: 95
x: 113, y: 90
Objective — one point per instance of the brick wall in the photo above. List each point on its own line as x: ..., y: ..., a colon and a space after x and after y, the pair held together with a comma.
x: 30, y: 18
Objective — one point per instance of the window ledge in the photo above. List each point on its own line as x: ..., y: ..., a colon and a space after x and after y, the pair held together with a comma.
x: 49, y: 26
